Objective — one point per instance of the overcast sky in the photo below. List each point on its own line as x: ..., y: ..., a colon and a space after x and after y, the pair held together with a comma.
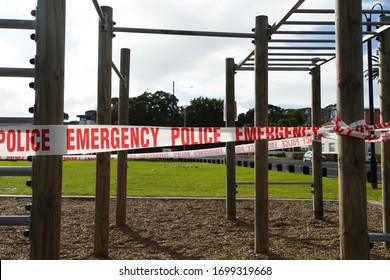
x: 197, y: 65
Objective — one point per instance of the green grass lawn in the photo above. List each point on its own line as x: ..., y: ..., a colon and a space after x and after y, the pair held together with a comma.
x: 174, y: 179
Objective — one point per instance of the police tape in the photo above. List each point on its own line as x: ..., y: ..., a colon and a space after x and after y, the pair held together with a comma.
x: 81, y: 139
x: 196, y: 153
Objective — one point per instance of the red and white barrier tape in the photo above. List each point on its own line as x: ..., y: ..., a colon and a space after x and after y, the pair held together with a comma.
x: 77, y: 139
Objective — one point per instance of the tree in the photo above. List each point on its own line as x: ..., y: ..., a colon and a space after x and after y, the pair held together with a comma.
x: 154, y: 109
x: 375, y: 68
x: 246, y: 119
x: 204, y: 112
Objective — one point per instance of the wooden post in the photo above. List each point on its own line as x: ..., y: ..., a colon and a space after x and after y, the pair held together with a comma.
x: 317, y: 146
x: 261, y: 146
x: 103, y: 118
x: 352, y: 179
x: 384, y: 80
x: 230, y: 146
x: 49, y: 110
x: 121, y: 190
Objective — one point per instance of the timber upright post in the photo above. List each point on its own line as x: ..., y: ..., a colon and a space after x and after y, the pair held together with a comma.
x: 49, y: 110
x: 230, y: 146
x: 261, y: 146
x: 121, y: 192
x: 352, y: 179
x: 103, y: 118
x: 317, y: 146
x: 384, y: 80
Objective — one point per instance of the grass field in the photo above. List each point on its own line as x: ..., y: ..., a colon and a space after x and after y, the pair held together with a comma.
x: 174, y: 179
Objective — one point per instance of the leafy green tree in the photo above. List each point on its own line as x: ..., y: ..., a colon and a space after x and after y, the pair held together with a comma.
x: 204, y: 112
x: 375, y: 68
x: 155, y: 109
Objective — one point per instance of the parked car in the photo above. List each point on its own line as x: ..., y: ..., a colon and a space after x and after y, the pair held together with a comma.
x: 308, y: 156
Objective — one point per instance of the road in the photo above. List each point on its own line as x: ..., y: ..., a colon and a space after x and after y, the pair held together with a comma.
x: 331, y: 166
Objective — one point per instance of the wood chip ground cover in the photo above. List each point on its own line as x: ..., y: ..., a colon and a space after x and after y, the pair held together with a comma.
x: 190, y: 229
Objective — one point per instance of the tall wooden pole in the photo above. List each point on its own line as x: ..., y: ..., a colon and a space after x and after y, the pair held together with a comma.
x: 352, y: 179
x: 384, y: 78
x: 49, y: 110
x: 121, y: 191
x: 230, y: 146
x: 317, y: 146
x: 103, y: 118
x: 261, y: 146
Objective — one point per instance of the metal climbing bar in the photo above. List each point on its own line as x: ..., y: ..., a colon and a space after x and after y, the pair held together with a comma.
x: 17, y: 24
x: 99, y: 11
x: 15, y: 170
x: 123, y: 79
x: 184, y: 32
x: 277, y: 183
x: 17, y: 72
x: 278, y: 24
x: 14, y: 220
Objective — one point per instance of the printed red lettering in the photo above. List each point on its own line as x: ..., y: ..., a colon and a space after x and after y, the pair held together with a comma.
x: 115, y: 141
x: 70, y: 139
x: 104, y: 142
x: 144, y: 140
x: 95, y: 138
x: 82, y: 138
x: 155, y: 135
x: 45, y: 139
x: 125, y: 138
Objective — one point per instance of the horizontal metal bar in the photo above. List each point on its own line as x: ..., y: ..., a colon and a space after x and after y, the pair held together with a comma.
x: 290, y: 64
x: 302, y: 41
x: 289, y: 69
x: 378, y: 237
x: 15, y: 121
x: 14, y: 220
x: 277, y: 183
x: 284, y: 64
x: 17, y: 72
x: 184, y: 32
x: 302, y: 22
x: 330, y: 23
x: 299, y: 48
x: 295, y: 59
x: 314, y: 11
x: 17, y: 24
x: 243, y: 68
x: 305, y: 32
x: 330, y: 11
x: 15, y: 170
x: 302, y: 54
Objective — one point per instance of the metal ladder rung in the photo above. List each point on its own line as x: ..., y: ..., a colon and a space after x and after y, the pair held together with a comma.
x: 15, y: 170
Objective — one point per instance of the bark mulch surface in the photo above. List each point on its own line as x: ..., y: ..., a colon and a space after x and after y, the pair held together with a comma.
x: 192, y: 229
